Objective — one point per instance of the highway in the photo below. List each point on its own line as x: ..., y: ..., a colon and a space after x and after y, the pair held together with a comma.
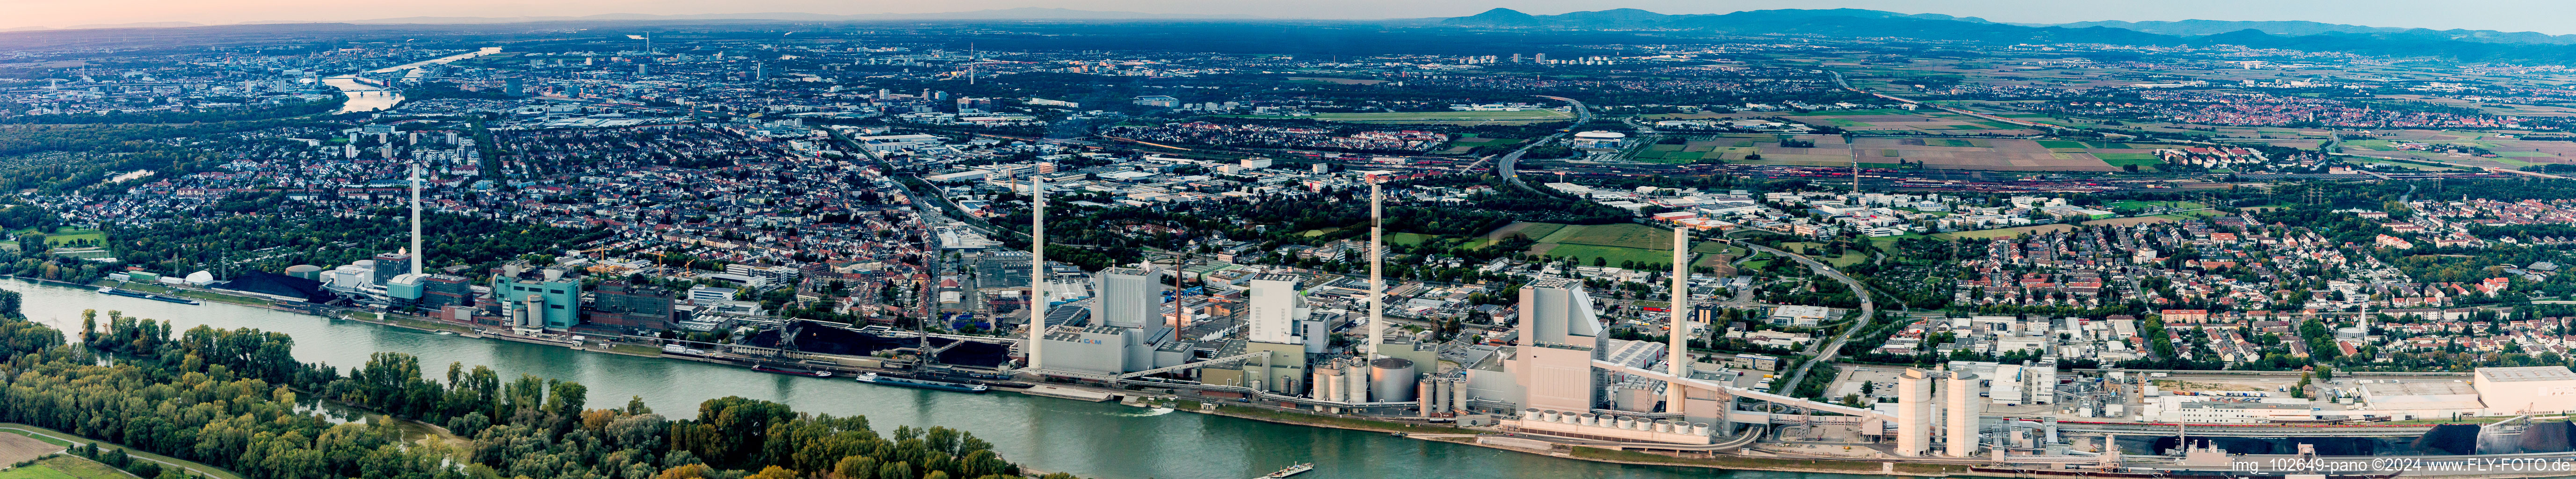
x: 1503, y: 167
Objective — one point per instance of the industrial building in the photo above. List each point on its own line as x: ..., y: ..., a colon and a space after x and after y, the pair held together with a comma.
x: 1127, y: 297
x: 2526, y: 390
x: 537, y: 298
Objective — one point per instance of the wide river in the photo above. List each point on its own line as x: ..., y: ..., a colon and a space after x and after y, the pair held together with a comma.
x: 1096, y: 440
x: 365, y: 97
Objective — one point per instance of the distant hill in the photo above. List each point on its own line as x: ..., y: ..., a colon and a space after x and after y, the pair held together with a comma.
x: 2305, y: 28
x: 2464, y: 45
x: 1630, y: 17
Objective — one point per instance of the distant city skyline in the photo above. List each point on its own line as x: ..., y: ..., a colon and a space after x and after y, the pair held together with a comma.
x: 2505, y: 15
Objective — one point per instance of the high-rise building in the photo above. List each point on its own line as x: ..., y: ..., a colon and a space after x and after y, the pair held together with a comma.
x: 1128, y: 297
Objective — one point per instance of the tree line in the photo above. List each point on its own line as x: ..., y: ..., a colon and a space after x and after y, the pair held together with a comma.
x: 236, y: 399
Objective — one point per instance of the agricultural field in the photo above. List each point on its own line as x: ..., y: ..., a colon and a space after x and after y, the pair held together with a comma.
x: 1678, y: 149
x: 1437, y: 117
x: 2509, y: 153
x: 1926, y: 121
x: 20, y: 447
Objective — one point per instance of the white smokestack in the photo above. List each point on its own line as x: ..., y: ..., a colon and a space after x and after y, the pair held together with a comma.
x: 1679, y: 350
x: 1377, y: 278
x: 1037, y: 267
x: 417, y: 255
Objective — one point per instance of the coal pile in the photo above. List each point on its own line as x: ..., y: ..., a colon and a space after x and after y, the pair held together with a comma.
x: 2459, y: 439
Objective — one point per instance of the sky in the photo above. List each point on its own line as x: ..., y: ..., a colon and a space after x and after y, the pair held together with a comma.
x: 2545, y: 16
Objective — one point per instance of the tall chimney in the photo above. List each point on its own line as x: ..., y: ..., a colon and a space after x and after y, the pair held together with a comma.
x: 1377, y: 278
x: 1037, y: 267
x: 1679, y: 351
x: 416, y: 252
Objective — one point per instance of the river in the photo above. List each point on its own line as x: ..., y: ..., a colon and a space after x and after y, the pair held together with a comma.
x: 1098, y: 440
x: 365, y: 97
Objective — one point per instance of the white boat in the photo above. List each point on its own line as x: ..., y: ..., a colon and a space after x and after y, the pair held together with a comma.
x: 1291, y: 471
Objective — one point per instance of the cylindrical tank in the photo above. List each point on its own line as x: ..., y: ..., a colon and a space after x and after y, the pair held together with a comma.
x: 1627, y: 422
x: 1393, y: 379
x: 1913, y: 413
x: 1355, y: 378
x: 1458, y: 394
x: 1699, y: 429
x: 1529, y: 413
x: 1440, y: 394
x: 1428, y: 398
x: 1547, y: 416
x: 1328, y: 384
x: 305, y: 271
x: 1663, y: 425
x: 1962, y: 392
x: 1588, y: 419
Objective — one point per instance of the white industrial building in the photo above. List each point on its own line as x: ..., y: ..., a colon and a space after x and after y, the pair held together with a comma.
x: 2526, y: 390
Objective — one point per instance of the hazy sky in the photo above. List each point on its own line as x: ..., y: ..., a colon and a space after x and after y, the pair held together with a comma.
x: 2546, y: 16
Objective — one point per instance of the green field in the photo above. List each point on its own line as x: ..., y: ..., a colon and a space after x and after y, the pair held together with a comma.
x: 2124, y: 159
x: 1408, y: 239
x: 67, y: 236
x: 2060, y: 144
x: 64, y: 467
x: 1628, y: 235
x: 1611, y: 243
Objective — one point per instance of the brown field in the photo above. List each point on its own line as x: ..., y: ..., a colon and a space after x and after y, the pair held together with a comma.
x: 16, y: 447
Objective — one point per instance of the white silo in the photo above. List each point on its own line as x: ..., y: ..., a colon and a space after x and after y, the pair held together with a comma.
x: 1913, y: 413
x: 1962, y: 392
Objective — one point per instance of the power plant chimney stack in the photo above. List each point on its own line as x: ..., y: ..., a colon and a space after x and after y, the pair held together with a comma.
x: 1913, y: 413
x: 416, y: 252
x: 1679, y: 350
x: 1377, y: 278
x: 1037, y: 267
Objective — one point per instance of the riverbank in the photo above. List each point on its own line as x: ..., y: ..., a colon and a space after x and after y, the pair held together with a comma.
x: 1434, y: 433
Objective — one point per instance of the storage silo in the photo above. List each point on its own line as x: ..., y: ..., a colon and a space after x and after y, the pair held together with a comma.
x: 1393, y: 379
x: 1913, y: 413
x: 1962, y: 391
